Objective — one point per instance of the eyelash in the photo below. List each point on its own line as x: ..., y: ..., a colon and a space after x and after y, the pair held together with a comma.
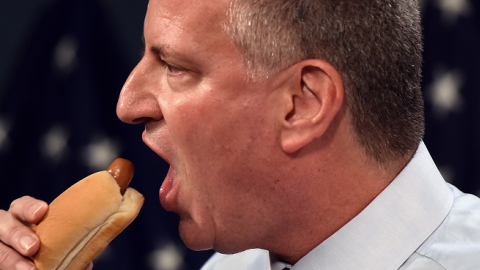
x: 170, y: 68
x: 166, y: 65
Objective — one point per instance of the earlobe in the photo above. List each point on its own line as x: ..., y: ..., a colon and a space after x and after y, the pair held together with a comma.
x: 316, y: 97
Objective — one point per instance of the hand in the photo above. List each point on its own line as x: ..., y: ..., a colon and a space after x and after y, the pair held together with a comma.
x: 16, y: 239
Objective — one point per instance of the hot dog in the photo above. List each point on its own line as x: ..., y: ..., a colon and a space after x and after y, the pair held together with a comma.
x: 86, y: 217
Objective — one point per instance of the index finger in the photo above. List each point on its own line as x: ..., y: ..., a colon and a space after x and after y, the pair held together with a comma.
x: 28, y: 210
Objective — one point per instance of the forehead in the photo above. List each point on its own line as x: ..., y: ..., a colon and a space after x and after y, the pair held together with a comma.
x: 177, y: 20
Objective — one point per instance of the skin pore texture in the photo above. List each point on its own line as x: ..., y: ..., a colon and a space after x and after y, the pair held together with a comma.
x: 268, y: 163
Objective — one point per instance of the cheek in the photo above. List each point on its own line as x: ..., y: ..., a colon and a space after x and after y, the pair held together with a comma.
x: 213, y: 144
x: 225, y: 165
x: 204, y: 130
x: 195, y: 132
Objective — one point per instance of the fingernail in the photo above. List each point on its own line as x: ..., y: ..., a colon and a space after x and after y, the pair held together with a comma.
x: 36, y: 208
x: 21, y: 265
x: 27, y: 242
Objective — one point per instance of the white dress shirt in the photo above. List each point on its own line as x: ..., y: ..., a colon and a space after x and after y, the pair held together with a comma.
x: 419, y: 222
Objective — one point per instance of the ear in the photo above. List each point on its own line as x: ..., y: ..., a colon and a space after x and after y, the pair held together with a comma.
x: 314, y: 99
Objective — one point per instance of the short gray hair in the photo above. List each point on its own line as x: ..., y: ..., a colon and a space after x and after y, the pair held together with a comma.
x: 376, y: 45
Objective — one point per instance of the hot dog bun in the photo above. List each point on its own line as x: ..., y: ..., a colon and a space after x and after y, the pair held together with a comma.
x: 83, y: 220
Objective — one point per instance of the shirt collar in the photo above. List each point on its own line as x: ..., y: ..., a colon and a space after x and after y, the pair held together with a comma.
x: 392, y: 226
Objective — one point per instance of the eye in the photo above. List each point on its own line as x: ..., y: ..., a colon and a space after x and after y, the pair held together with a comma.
x: 171, y: 69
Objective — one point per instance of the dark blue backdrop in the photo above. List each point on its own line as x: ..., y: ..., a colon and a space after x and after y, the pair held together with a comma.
x: 58, y: 122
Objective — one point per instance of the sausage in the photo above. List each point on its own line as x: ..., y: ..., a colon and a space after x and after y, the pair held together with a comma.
x: 122, y: 170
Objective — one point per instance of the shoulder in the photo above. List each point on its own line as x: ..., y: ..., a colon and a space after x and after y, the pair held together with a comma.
x: 455, y: 244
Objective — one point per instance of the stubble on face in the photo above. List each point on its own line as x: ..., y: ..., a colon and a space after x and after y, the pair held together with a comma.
x: 216, y: 130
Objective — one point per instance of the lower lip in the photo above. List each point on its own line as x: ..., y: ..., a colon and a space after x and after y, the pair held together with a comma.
x: 168, y: 190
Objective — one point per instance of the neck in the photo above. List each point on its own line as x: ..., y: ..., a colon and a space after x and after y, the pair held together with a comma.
x: 344, y: 183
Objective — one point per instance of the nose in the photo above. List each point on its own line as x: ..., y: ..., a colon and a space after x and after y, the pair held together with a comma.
x: 138, y: 100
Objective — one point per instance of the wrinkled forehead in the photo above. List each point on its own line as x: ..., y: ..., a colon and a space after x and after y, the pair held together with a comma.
x: 191, y: 31
x: 201, y: 16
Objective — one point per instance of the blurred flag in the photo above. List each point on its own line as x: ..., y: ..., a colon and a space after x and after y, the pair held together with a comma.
x: 58, y: 124
x: 452, y: 89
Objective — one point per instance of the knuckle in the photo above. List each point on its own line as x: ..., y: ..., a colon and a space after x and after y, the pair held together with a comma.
x: 6, y: 221
x: 3, y: 215
x: 13, y: 231
x: 10, y: 227
x: 7, y: 256
x: 17, y: 203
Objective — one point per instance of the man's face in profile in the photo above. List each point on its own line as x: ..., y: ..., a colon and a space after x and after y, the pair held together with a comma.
x: 213, y: 127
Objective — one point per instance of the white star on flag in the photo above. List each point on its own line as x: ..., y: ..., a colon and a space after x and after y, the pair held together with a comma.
x: 100, y: 153
x: 54, y: 144
x: 65, y: 56
x: 444, y: 93
x: 167, y: 257
x: 452, y: 9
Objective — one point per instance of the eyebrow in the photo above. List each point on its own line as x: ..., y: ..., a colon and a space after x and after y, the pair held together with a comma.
x: 155, y: 49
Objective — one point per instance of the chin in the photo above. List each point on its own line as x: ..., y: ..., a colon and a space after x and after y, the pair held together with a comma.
x: 197, y: 239
x: 194, y: 237
x: 203, y: 236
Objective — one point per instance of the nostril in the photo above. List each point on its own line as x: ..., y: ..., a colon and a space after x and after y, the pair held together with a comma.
x: 142, y: 111
x: 141, y: 120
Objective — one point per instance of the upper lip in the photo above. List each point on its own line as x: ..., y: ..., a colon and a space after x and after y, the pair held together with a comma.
x: 155, y: 149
